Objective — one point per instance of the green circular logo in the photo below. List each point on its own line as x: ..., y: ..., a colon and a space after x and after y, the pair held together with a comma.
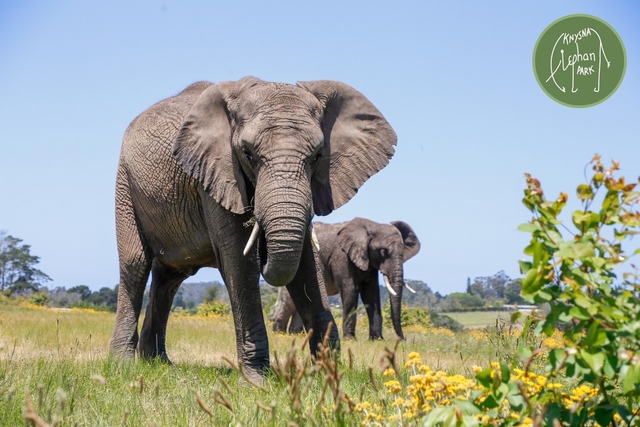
x: 579, y: 60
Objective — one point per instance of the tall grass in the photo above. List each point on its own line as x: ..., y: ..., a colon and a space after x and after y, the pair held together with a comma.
x: 55, y: 370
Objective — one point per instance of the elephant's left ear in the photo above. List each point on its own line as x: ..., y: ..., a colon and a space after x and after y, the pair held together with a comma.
x: 411, y: 242
x: 358, y: 143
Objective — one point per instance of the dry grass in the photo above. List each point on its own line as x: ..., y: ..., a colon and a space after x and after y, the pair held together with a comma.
x: 60, y: 360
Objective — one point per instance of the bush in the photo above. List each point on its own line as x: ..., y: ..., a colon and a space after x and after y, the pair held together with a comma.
x: 40, y: 298
x: 408, y: 317
x: 444, y: 321
x: 213, y: 308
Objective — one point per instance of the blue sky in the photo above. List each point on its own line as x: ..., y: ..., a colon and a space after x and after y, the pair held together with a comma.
x: 453, y: 78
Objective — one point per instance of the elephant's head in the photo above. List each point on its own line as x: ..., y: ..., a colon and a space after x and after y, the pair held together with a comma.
x: 383, y: 247
x: 285, y: 153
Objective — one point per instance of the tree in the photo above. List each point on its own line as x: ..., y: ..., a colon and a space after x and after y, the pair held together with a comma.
x: 17, y: 271
x: 82, y: 290
x: 212, y: 293
x: 105, y: 297
x: 467, y: 300
x: 512, y: 293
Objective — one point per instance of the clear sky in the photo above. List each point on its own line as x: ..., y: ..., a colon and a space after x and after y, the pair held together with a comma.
x: 453, y: 78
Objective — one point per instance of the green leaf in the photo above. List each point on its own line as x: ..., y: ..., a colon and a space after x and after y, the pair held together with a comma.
x: 552, y: 237
x: 595, y: 361
x: 529, y: 227
x: 484, y: 377
x: 524, y: 266
x: 467, y: 408
x: 504, y: 371
x: 585, y: 220
x: 531, y: 282
x: 595, y: 335
x: 584, y: 192
x: 631, y: 379
x: 583, y: 249
x: 604, y: 416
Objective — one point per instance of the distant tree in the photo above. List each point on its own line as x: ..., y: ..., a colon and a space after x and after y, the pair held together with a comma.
x: 105, y: 297
x: 489, y: 287
x: 82, y: 290
x: 212, y: 293
x: 512, y: 293
x: 18, y: 274
x: 61, y: 297
x: 467, y: 300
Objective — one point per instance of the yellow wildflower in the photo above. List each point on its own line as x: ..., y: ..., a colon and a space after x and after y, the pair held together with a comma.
x: 393, y: 386
x: 388, y: 372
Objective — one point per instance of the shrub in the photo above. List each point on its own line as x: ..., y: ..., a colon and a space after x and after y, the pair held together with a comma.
x: 213, y: 308
x: 40, y: 298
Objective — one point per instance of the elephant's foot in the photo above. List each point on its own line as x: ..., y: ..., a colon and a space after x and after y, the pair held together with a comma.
x: 123, y: 349
x: 376, y: 337
x: 125, y: 354
x: 254, y: 375
x: 161, y: 358
x: 149, y: 353
x: 348, y: 337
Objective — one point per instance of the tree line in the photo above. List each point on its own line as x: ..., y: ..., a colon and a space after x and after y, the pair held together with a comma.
x: 20, y: 277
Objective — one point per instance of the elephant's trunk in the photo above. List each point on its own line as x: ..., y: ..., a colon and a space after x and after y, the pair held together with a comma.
x: 396, y: 279
x: 283, y: 215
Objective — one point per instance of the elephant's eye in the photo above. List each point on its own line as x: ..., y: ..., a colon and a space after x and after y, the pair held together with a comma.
x: 247, y: 155
x: 383, y: 252
x: 316, y: 158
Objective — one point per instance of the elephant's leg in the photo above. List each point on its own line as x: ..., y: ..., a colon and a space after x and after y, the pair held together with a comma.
x: 283, y: 311
x: 241, y: 275
x: 165, y: 282
x: 310, y: 297
x: 135, y: 265
x: 296, y: 326
x: 370, y: 294
x: 251, y: 333
x: 349, y: 310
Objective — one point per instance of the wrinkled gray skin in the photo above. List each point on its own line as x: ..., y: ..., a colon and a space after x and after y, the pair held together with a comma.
x: 352, y: 253
x: 197, y: 167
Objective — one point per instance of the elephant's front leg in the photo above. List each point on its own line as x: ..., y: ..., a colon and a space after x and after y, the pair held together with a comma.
x: 310, y: 297
x: 251, y: 334
x: 241, y: 275
x: 370, y: 294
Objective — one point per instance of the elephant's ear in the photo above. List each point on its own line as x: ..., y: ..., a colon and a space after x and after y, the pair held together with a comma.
x: 358, y: 143
x: 354, y: 240
x: 203, y: 146
x: 411, y: 242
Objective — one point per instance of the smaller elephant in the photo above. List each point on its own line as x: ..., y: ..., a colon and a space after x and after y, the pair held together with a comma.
x: 352, y: 253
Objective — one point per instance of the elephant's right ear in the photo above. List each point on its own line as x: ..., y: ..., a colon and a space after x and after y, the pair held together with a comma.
x: 354, y: 240
x: 411, y: 242
x: 203, y: 146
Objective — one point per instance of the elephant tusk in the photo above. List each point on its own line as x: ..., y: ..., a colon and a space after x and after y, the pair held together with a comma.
x: 314, y: 238
x: 252, y: 238
x: 388, y: 285
x: 409, y: 288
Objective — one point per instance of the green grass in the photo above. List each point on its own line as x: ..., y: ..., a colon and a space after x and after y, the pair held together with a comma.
x: 479, y: 319
x: 60, y: 361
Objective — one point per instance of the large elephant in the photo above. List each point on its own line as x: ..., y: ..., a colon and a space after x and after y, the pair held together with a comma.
x: 199, y: 169
x: 352, y: 253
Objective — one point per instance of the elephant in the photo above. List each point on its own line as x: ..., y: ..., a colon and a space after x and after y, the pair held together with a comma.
x: 230, y: 175
x: 352, y: 253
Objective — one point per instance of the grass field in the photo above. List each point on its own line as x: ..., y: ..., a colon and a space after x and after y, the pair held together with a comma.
x: 480, y: 319
x: 58, y: 361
